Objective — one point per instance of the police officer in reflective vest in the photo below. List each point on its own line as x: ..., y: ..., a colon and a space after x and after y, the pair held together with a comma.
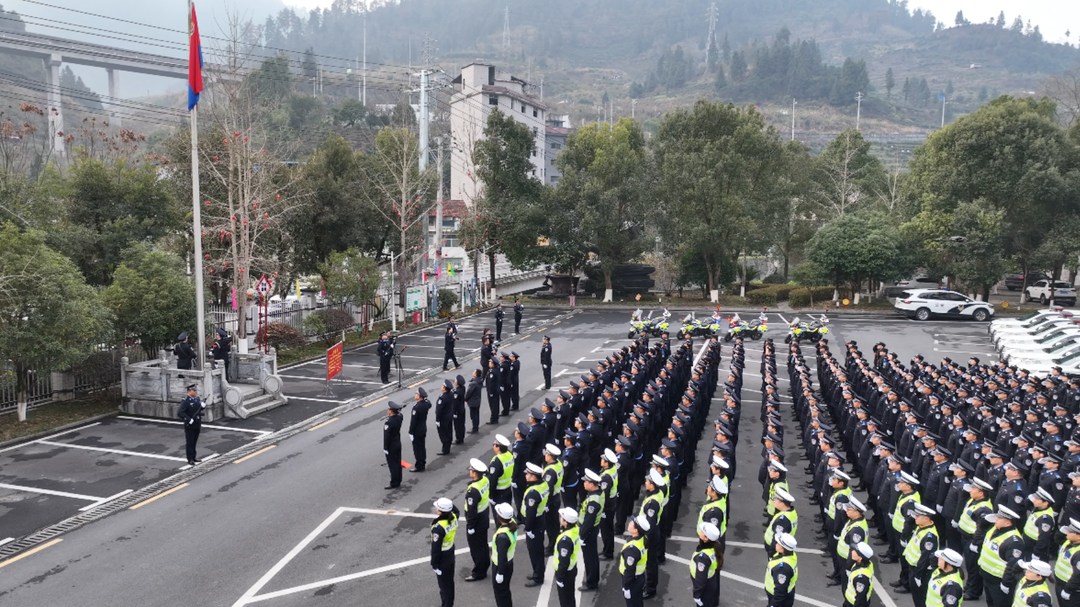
x: 786, y: 520
x: 1039, y: 528
x: 782, y: 572
x: 592, y: 506
x: 477, y: 502
x: 1033, y: 591
x: 565, y: 557
x: 632, y: 560
x: 443, y: 530
x: 534, y: 503
x: 503, y: 546
x: 919, y: 554
x: 902, y: 522
x: 860, y: 576
x: 553, y: 476
x: 944, y: 588
x: 1067, y: 566
x: 501, y: 470
x: 652, y: 508
x: 854, y: 532
x: 714, y: 510
x: 609, y: 487
x: 708, y: 559
x: 1001, y: 550
x: 973, y: 528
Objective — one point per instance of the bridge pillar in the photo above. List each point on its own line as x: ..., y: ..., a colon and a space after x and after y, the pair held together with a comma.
x: 114, y: 94
x: 56, y: 116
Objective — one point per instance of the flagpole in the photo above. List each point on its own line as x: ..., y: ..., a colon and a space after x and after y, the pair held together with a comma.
x: 197, y: 215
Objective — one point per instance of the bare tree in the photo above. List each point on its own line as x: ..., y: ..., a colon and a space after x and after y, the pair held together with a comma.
x: 839, y: 188
x: 890, y: 196
x: 1065, y: 90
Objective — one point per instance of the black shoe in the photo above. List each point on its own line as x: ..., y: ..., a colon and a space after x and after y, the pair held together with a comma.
x: 494, y: 423
x: 896, y: 584
x: 196, y: 461
x: 881, y: 543
x: 814, y: 501
x: 859, y: 488
x: 191, y: 462
x: 833, y: 582
x: 549, y: 553
x: 648, y: 595
x: 389, y: 487
x: 533, y: 583
x: 444, y: 453
x: 903, y: 590
x: 414, y: 470
x: 972, y: 597
x: 887, y: 560
x: 473, y: 578
x: 460, y: 441
x: 584, y: 588
x: 530, y: 577
x: 606, y: 557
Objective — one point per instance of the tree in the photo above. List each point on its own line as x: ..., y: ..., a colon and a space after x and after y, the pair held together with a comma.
x: 890, y: 83
x: 848, y: 174
x: 906, y: 89
x: 960, y: 20
x: 726, y: 49
x: 1017, y: 25
x: 976, y: 261
x: 151, y: 298
x: 603, y: 187
x: 350, y: 113
x: 1064, y: 89
x: 349, y: 276
x: 49, y: 317
x: 718, y: 167
x: 854, y: 248
x: 1000, y: 20
x: 795, y: 214
x: 712, y: 54
x: 720, y: 81
x: 738, y: 66
x: 308, y: 67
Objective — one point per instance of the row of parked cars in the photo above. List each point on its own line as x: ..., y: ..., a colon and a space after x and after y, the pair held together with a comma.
x: 1040, y: 341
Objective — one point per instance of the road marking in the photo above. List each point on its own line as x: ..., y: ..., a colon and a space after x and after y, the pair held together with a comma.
x: 158, y: 496
x: 205, y: 459
x: 178, y: 423
x: 417, y: 383
x: 378, y: 400
x: 356, y: 366
x: 325, y: 423
x: 783, y: 319
x: 336, y: 379
x: 259, y: 452
x: 7, y: 541
x: 983, y: 352
x: 580, y: 359
x: 556, y: 323
x: 117, y: 451
x: 29, y: 552
x: 694, y: 540
x: 106, y: 500
x: 26, y: 489
x: 318, y: 400
x: 50, y: 436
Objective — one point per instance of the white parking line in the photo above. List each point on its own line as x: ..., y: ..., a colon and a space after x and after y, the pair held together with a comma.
x: 106, y: 500
x: 51, y: 436
x: 76, y: 496
x: 5, y: 541
x: 179, y: 423
x: 319, y: 400
x: 340, y: 380
x: 116, y: 451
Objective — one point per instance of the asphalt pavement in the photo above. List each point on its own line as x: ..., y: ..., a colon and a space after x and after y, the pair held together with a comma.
x: 306, y: 520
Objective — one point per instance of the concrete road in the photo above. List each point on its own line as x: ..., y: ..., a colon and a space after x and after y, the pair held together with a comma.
x: 307, y: 521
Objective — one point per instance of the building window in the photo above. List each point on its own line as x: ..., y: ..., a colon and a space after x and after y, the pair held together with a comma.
x: 535, y: 114
x: 536, y: 131
x: 493, y: 100
x: 534, y: 173
x: 556, y: 146
x: 554, y: 179
x: 534, y: 152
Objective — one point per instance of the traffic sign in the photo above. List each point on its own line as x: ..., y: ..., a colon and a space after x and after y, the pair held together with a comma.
x: 333, y: 361
x: 263, y: 286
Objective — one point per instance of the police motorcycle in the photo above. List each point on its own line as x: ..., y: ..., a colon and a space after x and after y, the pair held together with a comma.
x: 638, y: 325
x: 696, y: 327
x: 811, y: 331
x: 737, y: 327
x: 660, y: 324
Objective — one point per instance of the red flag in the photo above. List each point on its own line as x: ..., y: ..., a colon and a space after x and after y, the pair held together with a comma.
x: 195, y: 83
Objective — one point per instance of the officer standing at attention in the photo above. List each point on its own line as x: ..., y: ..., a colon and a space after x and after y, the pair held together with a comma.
x: 1033, y: 590
x: 632, y: 560
x: 477, y: 500
x: 565, y: 557
x: 385, y: 352
x: 782, y: 573
x: 184, y: 352
x: 704, y: 566
x: 518, y: 309
x: 190, y: 412
x: 392, y: 443
x: 860, y: 580
x: 545, y: 361
x: 418, y: 429
x: 494, y: 390
x: 473, y: 392
x: 945, y: 588
x: 514, y: 386
x: 444, y: 416
x: 503, y: 546
x: 499, y: 315
x: 443, y: 530
x: 534, y: 503
x: 1067, y: 566
x: 448, y: 355
x: 501, y: 471
x: 459, y: 410
x: 486, y: 350
x: 592, y: 506
x: 222, y: 350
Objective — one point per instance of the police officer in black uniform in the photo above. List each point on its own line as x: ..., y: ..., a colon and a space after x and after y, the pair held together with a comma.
x: 184, y: 352
x: 473, y: 392
x: 499, y: 315
x: 518, y: 309
x: 392, y: 443
x: 222, y: 350
x: 459, y: 410
x: 418, y: 429
x: 444, y: 416
x: 190, y: 412
x: 451, y: 337
x: 385, y: 351
x: 545, y: 361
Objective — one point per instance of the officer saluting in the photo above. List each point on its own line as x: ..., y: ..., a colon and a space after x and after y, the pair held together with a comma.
x: 392, y: 443
x: 190, y: 412
x: 499, y: 314
x: 183, y: 351
x: 545, y: 361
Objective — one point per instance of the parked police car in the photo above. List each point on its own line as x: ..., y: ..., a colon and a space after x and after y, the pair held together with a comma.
x: 924, y: 304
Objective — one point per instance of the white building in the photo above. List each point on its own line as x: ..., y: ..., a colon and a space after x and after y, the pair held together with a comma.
x: 477, y: 91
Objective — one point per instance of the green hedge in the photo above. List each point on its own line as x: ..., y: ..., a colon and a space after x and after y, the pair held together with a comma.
x: 800, y: 298
x: 768, y: 295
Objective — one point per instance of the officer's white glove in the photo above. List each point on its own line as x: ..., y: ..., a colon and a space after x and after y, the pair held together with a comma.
x: 1004, y: 588
x: 437, y: 424
x: 385, y: 452
x: 698, y: 602
x: 918, y: 582
x: 903, y: 543
x: 1065, y: 595
x: 954, y: 524
x: 544, y: 366
x: 471, y: 531
x: 973, y: 548
x: 411, y: 437
x: 582, y: 543
x: 560, y: 584
x: 939, y: 508
x: 626, y: 593
x: 437, y: 571
x: 530, y: 535
x: 191, y: 420
x: 498, y: 578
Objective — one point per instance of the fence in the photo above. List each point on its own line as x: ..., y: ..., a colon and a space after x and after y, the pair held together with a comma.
x: 99, y: 371
x: 293, y: 313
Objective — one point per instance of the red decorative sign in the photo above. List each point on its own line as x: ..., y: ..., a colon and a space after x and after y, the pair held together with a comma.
x: 333, y: 361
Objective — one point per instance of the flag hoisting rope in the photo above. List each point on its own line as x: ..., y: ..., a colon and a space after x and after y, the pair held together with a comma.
x: 195, y: 86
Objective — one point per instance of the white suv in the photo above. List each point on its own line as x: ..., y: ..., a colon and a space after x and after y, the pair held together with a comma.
x: 1064, y: 292
x: 924, y: 304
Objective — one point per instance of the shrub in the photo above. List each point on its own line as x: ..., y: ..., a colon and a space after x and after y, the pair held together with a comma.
x: 801, y: 298
x: 328, y: 324
x: 761, y: 297
x: 776, y: 278
x: 447, y: 299
x: 283, y: 337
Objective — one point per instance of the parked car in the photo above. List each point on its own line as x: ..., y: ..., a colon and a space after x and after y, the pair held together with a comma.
x: 918, y: 282
x: 1029, y: 322
x: 1064, y: 292
x: 1069, y: 363
x: 1015, y: 282
x: 924, y: 304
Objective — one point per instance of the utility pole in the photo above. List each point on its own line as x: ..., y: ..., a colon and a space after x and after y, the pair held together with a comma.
x: 506, y: 31
x: 793, y: 104
x: 611, y: 115
x: 633, y: 108
x: 439, y: 202
x: 424, y: 150
x: 599, y: 112
x: 858, y: 111
x: 942, y: 97
x: 541, y: 88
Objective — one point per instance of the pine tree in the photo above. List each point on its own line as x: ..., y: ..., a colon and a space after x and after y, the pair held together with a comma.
x: 1001, y: 19
x: 738, y: 66
x: 906, y: 89
x: 720, y: 81
x: 726, y: 48
x: 1017, y: 25
x: 960, y: 21
x: 890, y: 82
x: 712, y: 54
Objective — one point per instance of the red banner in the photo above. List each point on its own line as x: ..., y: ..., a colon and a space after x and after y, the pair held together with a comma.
x: 333, y: 361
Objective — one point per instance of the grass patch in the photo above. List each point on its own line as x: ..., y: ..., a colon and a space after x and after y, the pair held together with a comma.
x: 53, y: 415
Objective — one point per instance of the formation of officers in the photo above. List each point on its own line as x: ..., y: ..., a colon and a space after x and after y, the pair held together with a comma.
x: 610, y: 453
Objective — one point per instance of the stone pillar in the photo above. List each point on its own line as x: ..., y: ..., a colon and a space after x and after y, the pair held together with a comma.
x: 114, y: 94
x: 56, y: 116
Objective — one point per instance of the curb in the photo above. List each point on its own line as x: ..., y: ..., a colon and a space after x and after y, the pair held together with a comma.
x: 103, y: 510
